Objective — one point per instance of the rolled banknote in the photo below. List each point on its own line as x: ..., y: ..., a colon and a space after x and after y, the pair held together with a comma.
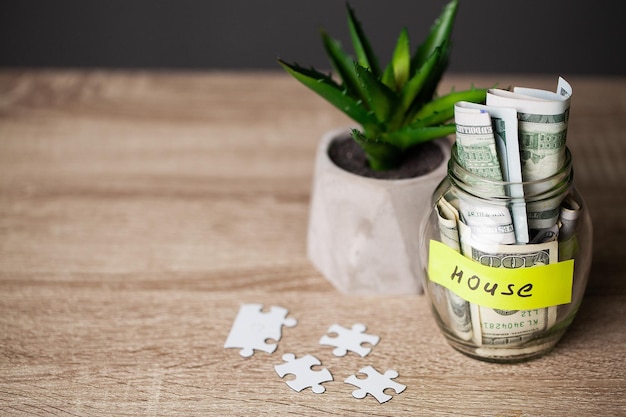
x: 568, y: 241
x: 542, y: 131
x: 448, y: 219
x: 458, y: 309
x: 570, y: 211
x: 504, y: 123
x: 546, y: 235
x: 493, y: 327
x: 476, y: 152
x: 563, y: 89
x: 517, y: 137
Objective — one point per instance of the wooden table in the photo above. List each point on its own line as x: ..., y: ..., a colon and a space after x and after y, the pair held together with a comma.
x: 139, y: 210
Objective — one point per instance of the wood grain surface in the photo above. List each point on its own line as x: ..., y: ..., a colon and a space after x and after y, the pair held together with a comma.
x: 139, y: 210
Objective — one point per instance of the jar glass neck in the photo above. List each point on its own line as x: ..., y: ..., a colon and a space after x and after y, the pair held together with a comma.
x: 484, y: 188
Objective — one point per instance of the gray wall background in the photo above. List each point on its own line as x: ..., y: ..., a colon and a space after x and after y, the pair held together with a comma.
x: 536, y: 36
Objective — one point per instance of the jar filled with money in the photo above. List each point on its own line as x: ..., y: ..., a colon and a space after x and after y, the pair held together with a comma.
x: 507, y: 246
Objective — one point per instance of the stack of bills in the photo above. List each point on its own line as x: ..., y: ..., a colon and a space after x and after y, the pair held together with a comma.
x: 517, y: 137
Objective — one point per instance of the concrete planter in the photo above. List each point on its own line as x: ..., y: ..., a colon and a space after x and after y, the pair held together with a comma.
x: 363, y: 233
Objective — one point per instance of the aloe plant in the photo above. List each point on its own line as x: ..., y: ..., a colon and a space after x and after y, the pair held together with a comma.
x: 397, y: 107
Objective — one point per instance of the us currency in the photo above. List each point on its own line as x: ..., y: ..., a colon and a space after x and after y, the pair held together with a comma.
x: 546, y: 235
x: 570, y: 211
x: 542, y: 129
x: 448, y: 219
x: 563, y: 89
x: 476, y: 152
x: 457, y: 308
x: 494, y: 327
x: 504, y: 123
x: 568, y: 241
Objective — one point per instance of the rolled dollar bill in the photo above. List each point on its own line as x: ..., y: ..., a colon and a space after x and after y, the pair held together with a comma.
x: 546, y: 235
x: 458, y: 309
x: 570, y: 211
x: 563, y: 89
x: 542, y: 131
x: 448, y: 224
x: 494, y: 327
x: 504, y: 123
x: 476, y: 152
x: 568, y: 242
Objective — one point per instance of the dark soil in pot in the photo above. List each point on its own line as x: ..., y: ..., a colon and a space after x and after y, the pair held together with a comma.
x: 420, y: 160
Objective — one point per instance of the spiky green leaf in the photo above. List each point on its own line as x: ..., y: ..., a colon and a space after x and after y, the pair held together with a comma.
x: 435, y: 118
x: 414, y: 86
x: 361, y: 44
x: 442, y: 108
x: 381, y: 100
x: 401, y: 60
x: 440, y: 32
x: 343, y: 64
x: 432, y: 82
x: 396, y: 108
x: 410, y: 136
x: 388, y: 78
x: 323, y: 85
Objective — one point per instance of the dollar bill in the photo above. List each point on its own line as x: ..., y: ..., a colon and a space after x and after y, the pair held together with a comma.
x: 570, y: 211
x: 493, y: 327
x: 476, y: 152
x: 458, y: 309
x: 563, y: 89
x: 542, y: 130
x: 518, y: 136
x: 448, y: 218
x: 504, y: 124
x: 546, y: 235
x: 568, y: 241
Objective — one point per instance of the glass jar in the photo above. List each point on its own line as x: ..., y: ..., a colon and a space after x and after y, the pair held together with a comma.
x: 505, y: 275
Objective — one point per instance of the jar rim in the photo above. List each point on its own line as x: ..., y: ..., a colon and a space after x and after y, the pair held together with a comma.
x: 467, y: 181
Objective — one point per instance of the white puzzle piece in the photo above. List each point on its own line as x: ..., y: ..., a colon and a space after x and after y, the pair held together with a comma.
x: 375, y: 384
x: 253, y: 327
x: 349, y: 340
x: 305, y: 376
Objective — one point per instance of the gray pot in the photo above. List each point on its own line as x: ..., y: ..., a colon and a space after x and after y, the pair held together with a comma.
x: 363, y: 233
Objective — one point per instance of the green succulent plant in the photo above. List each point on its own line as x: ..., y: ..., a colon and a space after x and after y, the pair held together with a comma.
x: 397, y: 107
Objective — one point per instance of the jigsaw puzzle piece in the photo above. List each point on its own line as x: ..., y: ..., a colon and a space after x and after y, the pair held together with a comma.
x: 305, y: 376
x: 252, y: 327
x: 349, y: 340
x: 274, y: 320
x: 375, y: 384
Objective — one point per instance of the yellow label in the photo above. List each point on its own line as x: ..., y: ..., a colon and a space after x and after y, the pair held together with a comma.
x: 500, y: 288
